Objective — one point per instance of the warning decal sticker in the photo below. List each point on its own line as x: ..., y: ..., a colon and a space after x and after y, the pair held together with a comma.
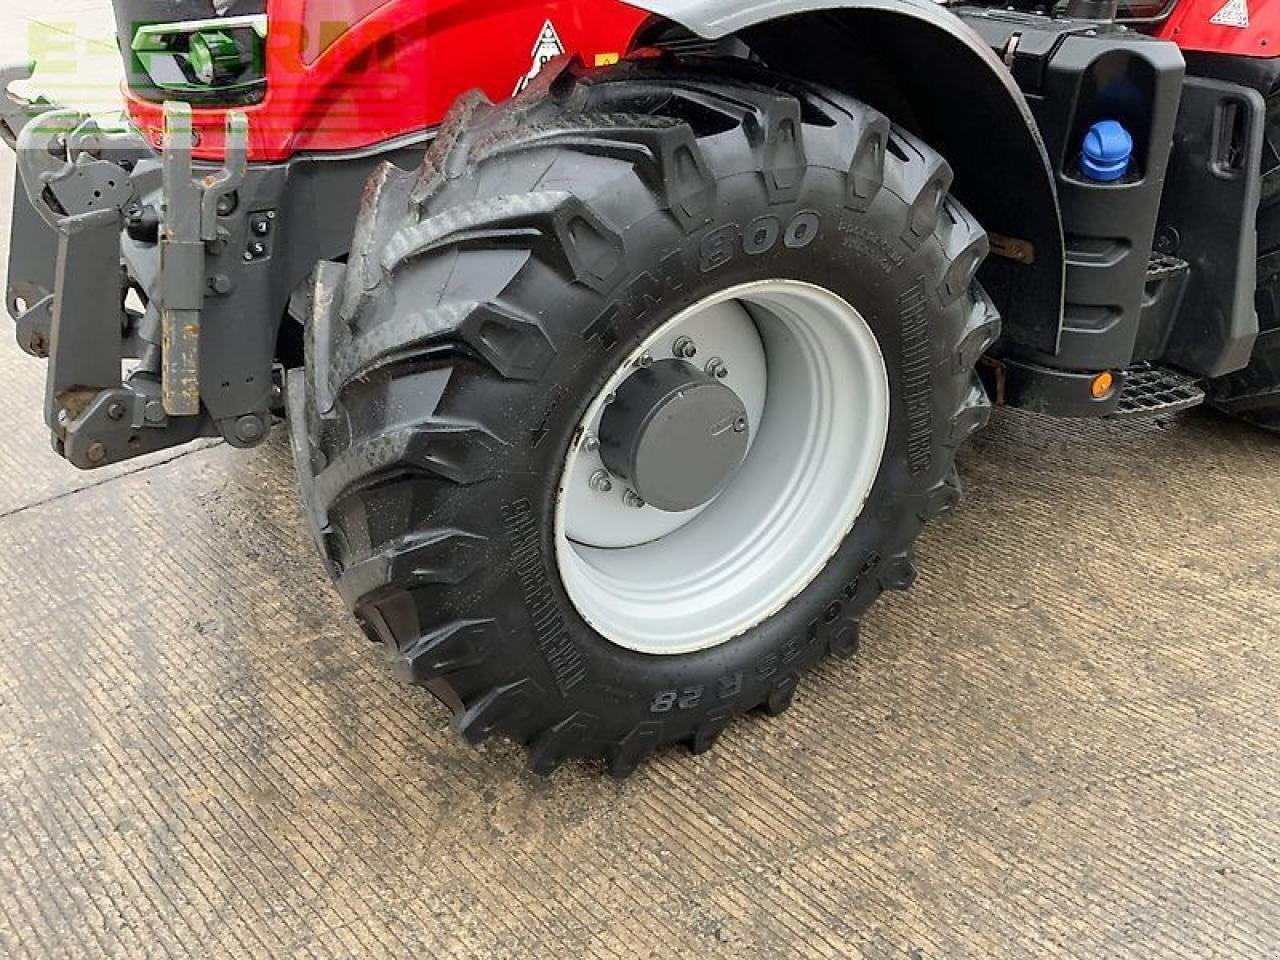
x: 545, y: 50
x: 1234, y: 13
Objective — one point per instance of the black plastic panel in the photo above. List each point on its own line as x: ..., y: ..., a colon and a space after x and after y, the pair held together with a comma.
x: 1209, y: 219
x: 1074, y: 74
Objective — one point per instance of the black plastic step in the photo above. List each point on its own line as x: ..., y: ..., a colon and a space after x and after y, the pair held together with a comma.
x: 1150, y: 391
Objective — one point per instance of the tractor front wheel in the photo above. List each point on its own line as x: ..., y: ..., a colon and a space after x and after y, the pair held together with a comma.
x: 631, y: 401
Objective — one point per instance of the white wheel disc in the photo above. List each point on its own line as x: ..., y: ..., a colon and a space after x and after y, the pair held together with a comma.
x: 810, y: 373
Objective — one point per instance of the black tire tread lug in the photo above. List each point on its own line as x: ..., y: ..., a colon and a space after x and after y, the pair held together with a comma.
x: 980, y: 333
x: 624, y: 757
x: 973, y: 414
x: 846, y: 642
x: 925, y: 181
x: 866, y: 171
x: 460, y: 452
x: 781, y: 696
x: 384, y: 204
x: 419, y: 559
x: 558, y: 743
x: 709, y: 730
x: 498, y: 709
x: 447, y: 648
x: 898, y: 572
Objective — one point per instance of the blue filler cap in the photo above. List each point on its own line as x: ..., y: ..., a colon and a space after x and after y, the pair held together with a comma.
x: 1108, y: 148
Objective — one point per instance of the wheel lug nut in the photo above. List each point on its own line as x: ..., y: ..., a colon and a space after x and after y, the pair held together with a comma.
x: 740, y: 425
x: 684, y: 348
x: 633, y: 499
x: 590, y: 443
x: 601, y: 482
x: 644, y: 360
x: 715, y: 368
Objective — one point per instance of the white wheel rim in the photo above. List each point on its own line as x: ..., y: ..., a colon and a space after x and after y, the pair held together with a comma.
x: 811, y: 374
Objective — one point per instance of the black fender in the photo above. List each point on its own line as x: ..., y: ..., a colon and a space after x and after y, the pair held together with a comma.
x: 929, y: 72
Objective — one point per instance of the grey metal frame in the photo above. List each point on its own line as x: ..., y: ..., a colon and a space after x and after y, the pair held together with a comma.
x: 215, y: 277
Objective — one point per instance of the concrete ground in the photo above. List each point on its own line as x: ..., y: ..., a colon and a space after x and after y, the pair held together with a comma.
x: 1063, y: 742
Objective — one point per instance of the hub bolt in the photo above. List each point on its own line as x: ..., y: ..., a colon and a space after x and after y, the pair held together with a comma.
x: 684, y: 348
x: 740, y: 425
x: 115, y: 410
x: 715, y: 368
x: 601, y: 482
x: 633, y: 499
x: 96, y: 452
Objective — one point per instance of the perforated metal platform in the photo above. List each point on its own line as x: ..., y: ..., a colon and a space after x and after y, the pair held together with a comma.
x: 1152, y: 391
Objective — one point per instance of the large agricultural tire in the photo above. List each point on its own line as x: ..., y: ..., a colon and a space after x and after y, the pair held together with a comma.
x: 493, y: 295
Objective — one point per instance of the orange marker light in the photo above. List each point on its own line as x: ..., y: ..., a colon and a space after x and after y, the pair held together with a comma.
x: 1102, y: 385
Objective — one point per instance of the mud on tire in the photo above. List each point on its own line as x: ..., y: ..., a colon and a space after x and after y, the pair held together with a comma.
x: 488, y: 295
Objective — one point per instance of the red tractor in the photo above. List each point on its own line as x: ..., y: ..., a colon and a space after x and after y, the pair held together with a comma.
x: 626, y: 347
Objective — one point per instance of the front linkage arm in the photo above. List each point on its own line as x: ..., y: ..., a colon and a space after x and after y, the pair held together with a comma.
x: 85, y: 191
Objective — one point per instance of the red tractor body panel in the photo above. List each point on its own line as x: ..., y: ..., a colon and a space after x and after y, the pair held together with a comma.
x: 1242, y: 28
x: 398, y: 70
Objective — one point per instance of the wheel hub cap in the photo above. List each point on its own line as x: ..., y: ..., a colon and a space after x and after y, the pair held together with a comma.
x: 675, y: 434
